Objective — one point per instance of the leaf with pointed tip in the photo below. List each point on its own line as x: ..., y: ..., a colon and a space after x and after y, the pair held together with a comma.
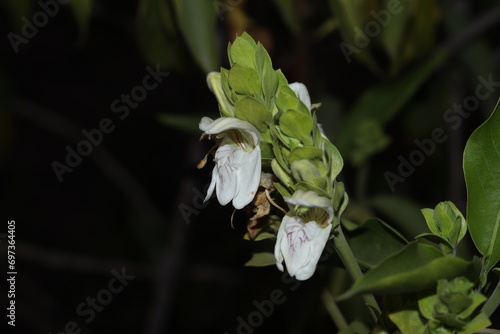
x: 408, y: 321
x: 416, y: 267
x: 482, y: 176
x: 242, y: 51
x: 201, y: 36
x: 373, y: 241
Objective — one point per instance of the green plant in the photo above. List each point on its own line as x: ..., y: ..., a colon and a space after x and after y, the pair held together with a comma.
x: 273, y: 159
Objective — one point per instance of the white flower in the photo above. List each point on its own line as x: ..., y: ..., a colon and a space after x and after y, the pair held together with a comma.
x: 236, y: 175
x: 301, y: 91
x: 302, y: 237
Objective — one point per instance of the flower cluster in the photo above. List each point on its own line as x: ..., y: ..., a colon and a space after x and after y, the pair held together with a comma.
x: 268, y: 127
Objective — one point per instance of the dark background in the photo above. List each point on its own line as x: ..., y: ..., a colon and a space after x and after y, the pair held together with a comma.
x: 119, y: 208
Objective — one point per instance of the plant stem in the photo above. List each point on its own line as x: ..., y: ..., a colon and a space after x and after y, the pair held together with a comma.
x: 492, y: 303
x: 353, y: 269
x: 333, y: 310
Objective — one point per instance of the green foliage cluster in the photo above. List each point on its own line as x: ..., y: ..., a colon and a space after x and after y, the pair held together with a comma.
x: 293, y: 146
x: 442, y: 290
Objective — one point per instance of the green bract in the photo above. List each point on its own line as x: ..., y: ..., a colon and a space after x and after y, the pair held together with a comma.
x: 294, y: 149
x: 451, y: 309
x: 447, y: 224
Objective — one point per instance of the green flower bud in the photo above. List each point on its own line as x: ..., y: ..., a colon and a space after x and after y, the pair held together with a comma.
x: 447, y: 222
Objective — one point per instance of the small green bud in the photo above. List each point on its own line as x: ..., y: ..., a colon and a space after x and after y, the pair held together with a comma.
x: 447, y: 222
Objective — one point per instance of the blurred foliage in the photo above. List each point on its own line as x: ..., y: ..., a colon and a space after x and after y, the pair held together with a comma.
x: 386, y: 73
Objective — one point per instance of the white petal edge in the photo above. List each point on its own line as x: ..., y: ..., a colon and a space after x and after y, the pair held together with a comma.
x: 222, y: 124
x: 248, y: 177
x: 311, y: 199
x: 301, y: 91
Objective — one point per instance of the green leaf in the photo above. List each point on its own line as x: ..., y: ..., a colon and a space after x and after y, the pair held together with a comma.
x: 416, y: 267
x: 304, y: 170
x: 374, y: 241
x: 270, y: 82
x: 296, y: 125
x: 481, y: 321
x: 383, y: 102
x: 408, y: 321
x: 262, y: 59
x: 335, y: 160
x: 431, y: 222
x: 427, y: 306
x: 261, y: 260
x: 446, y: 247
x: 286, y: 98
x: 282, y: 190
x: 307, y: 153
x: 477, y: 299
x: 281, y: 173
x: 393, y: 35
x: 482, y: 176
x: 156, y: 34
x: 197, y: 22
x: 242, y: 51
x: 245, y: 80
x: 254, y: 112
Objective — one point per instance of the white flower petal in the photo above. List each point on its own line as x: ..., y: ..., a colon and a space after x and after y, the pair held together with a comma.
x: 205, y: 123
x: 211, y: 188
x: 227, y: 185
x: 311, y: 199
x: 302, y: 93
x: 280, y: 243
x: 222, y: 124
x: 315, y: 250
x: 248, y: 177
x: 237, y: 170
x: 300, y: 245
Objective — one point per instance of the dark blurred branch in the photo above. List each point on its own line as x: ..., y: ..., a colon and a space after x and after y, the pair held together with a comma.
x: 470, y: 32
x: 167, y: 269
x: 102, y: 157
x: 80, y: 263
